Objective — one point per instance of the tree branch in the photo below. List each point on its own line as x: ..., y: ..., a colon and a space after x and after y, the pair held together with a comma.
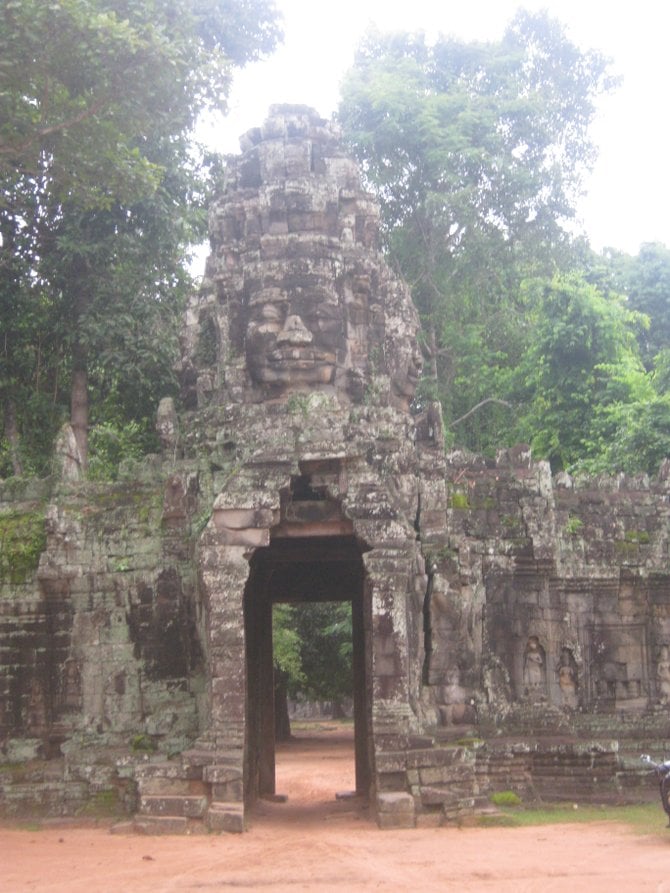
x: 42, y: 132
x: 479, y: 406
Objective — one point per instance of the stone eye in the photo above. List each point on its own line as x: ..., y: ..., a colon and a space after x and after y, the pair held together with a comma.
x: 269, y: 313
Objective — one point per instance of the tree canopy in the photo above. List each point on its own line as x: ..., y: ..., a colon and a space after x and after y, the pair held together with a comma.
x: 477, y: 152
x: 101, y: 194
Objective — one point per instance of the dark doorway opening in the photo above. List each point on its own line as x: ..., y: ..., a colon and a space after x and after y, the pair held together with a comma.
x: 296, y: 570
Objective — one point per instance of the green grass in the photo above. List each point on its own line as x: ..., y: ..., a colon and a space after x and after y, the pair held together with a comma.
x: 320, y: 725
x: 505, y: 799
x: 646, y: 818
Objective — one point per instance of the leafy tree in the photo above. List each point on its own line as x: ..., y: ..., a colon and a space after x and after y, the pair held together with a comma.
x: 641, y: 436
x: 100, y: 187
x: 286, y: 644
x: 581, y: 374
x: 476, y: 152
x: 312, y: 644
x: 646, y: 280
x: 325, y: 634
x: 637, y: 429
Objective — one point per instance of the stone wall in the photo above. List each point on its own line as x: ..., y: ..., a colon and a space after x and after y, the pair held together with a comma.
x: 570, y: 575
x: 106, y: 655
x: 100, y: 656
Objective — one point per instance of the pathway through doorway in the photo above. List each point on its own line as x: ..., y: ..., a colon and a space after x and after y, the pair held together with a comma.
x: 315, y: 769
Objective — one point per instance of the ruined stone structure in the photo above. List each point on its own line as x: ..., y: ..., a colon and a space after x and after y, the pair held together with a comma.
x: 509, y: 630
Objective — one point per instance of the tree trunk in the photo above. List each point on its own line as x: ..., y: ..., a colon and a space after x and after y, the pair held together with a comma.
x: 282, y: 720
x: 432, y: 347
x: 337, y: 711
x: 13, y: 437
x: 79, y: 409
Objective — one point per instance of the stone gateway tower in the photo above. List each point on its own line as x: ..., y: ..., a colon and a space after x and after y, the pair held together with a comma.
x: 300, y: 363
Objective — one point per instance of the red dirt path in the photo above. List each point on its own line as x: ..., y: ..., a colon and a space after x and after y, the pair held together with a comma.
x: 314, y: 842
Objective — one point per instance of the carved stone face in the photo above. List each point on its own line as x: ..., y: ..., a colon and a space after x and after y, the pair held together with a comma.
x: 405, y: 373
x: 295, y: 337
x: 403, y: 351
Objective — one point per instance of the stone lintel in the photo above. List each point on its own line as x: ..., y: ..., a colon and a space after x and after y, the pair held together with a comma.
x: 341, y: 527
x: 242, y: 518
x: 251, y: 536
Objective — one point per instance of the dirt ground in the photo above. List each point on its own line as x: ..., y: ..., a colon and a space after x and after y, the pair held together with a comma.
x: 316, y: 842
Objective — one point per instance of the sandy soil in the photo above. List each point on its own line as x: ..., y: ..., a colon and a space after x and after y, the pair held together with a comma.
x: 315, y: 842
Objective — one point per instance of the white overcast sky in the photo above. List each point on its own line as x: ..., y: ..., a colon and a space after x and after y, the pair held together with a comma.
x: 628, y: 197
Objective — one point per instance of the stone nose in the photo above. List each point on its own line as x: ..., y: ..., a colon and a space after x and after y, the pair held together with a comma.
x: 294, y: 332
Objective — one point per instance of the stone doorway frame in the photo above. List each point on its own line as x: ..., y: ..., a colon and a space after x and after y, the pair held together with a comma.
x: 304, y: 570
x: 277, y: 500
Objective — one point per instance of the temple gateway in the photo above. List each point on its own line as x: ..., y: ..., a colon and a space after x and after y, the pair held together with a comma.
x: 510, y: 630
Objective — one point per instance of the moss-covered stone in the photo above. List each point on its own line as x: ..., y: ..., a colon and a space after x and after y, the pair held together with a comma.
x: 22, y: 541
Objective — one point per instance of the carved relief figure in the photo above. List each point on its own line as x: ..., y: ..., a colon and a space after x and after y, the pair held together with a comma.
x: 70, y: 685
x: 534, y: 671
x: 567, y: 678
x: 663, y: 675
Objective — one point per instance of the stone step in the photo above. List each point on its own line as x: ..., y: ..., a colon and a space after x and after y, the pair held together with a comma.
x: 225, y: 816
x: 421, y: 742
x: 399, y: 760
x: 181, y: 787
x: 169, y: 769
x: 163, y: 825
x: 434, y: 795
x: 195, y: 759
x: 221, y: 773
x: 187, y: 807
x: 395, y: 810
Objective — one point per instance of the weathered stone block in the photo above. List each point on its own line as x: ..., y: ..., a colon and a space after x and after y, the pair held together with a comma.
x: 160, y: 825
x: 239, y: 519
x: 232, y: 791
x: 221, y: 774
x: 429, y: 820
x: 226, y: 817
x: 250, y: 536
x: 169, y: 771
x: 395, y: 802
x: 168, y: 805
x: 391, y: 762
x: 395, y: 810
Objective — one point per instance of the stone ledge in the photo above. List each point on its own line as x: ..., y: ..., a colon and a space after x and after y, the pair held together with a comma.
x: 168, y: 771
x: 221, y: 774
x: 159, y: 825
x: 188, y: 807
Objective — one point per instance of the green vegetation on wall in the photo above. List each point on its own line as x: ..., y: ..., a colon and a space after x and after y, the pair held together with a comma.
x: 22, y: 541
